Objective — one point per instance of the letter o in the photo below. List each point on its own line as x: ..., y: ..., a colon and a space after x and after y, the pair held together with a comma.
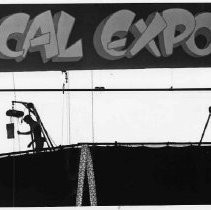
x: 203, y: 27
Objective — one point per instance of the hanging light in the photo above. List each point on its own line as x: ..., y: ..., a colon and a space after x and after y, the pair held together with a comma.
x: 14, y: 113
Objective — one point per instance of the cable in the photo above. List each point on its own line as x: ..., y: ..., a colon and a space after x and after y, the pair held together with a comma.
x: 205, y: 127
x: 63, y: 100
x: 62, y: 137
x: 68, y: 107
x: 53, y: 142
x: 67, y: 93
x: 92, y: 94
x: 13, y: 162
x: 13, y: 78
x: 172, y: 78
x: 15, y: 99
x: 13, y: 82
x: 182, y: 89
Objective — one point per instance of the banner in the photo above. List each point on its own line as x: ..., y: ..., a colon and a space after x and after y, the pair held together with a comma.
x: 57, y: 37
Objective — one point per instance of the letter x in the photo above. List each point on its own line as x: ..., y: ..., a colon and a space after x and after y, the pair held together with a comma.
x: 145, y: 35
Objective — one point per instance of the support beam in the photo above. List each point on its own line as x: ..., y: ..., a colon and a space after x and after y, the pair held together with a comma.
x: 109, y: 90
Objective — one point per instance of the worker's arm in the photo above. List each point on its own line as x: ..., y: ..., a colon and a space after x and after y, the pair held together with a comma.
x: 24, y: 133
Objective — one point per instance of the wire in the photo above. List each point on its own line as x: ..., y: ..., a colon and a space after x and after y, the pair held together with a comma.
x: 62, y: 137
x: 13, y: 82
x: 15, y: 99
x: 68, y: 107
x: 13, y: 179
x: 13, y: 78
x: 92, y: 95
x: 172, y: 78
x: 53, y: 142
x: 63, y: 106
x: 66, y: 85
x: 181, y: 89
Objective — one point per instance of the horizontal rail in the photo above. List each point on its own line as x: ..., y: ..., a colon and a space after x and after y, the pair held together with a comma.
x: 106, y: 90
x: 143, y: 143
x: 79, y: 145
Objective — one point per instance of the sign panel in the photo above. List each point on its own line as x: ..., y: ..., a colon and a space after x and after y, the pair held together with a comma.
x: 57, y: 37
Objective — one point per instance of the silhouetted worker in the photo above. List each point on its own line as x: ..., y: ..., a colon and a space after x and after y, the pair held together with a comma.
x: 35, y: 130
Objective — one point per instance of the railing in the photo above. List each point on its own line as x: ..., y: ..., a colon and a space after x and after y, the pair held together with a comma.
x: 125, y: 144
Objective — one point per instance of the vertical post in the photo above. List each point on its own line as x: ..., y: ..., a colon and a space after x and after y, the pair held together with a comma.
x: 31, y: 134
x: 205, y: 127
x: 81, y: 176
x: 91, y: 179
x: 86, y: 165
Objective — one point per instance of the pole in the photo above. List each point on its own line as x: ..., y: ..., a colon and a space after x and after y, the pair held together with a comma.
x: 44, y: 131
x: 31, y: 135
x: 205, y: 127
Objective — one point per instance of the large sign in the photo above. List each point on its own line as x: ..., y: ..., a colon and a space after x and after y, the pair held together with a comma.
x: 104, y: 36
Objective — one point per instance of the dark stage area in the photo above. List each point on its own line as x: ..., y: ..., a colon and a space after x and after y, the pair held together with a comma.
x: 124, y: 175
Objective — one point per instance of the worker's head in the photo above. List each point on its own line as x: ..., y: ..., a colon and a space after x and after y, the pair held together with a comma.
x: 27, y: 119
